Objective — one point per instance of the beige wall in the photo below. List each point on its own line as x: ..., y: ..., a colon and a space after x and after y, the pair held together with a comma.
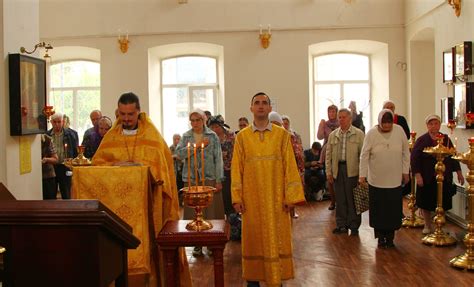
x: 19, y: 28
x: 281, y: 70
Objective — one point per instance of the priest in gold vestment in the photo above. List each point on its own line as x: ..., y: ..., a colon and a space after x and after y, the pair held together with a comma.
x: 265, y: 184
x: 134, y: 140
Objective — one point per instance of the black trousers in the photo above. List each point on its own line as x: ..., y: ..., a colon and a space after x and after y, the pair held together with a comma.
x: 63, y: 181
x: 49, y: 188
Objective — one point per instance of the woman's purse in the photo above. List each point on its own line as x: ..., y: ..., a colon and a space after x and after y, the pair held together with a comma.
x: 361, y: 198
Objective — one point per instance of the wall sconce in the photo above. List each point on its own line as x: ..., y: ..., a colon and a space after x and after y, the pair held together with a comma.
x: 47, y: 47
x: 265, y: 37
x: 456, y: 4
x: 123, y: 43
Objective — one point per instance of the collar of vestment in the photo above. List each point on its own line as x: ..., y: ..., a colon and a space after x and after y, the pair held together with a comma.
x: 129, y: 132
x: 268, y: 127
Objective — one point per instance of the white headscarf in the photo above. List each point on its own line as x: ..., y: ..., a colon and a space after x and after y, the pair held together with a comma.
x: 382, y: 113
x: 275, y: 117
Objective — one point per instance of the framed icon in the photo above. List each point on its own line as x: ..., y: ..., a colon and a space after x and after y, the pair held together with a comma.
x: 27, y: 79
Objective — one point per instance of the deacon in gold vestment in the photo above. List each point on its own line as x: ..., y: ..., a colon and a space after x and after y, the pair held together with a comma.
x: 134, y: 140
x: 265, y: 183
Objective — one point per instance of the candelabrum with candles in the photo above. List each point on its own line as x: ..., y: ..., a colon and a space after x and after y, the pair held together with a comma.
x: 466, y: 260
x: 412, y: 220
x: 197, y: 196
x: 80, y: 160
x: 439, y: 237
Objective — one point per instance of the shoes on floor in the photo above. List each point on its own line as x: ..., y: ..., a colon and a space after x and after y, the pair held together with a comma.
x: 197, y: 251
x: 339, y: 230
x: 354, y: 232
x: 426, y: 230
x: 389, y: 244
x: 381, y: 242
x: 331, y: 206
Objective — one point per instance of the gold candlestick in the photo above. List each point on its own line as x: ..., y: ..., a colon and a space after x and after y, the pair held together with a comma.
x: 439, y: 237
x: 412, y: 220
x: 466, y: 260
x: 198, y: 197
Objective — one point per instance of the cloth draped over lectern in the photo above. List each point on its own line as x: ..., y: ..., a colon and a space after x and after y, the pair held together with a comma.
x: 124, y: 190
x: 148, y: 148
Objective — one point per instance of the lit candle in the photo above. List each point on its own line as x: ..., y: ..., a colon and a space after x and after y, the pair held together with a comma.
x: 455, y: 142
x: 261, y: 29
x: 126, y: 36
x: 196, y: 180
x: 65, y: 150
x: 203, y: 177
x: 189, y: 166
x: 269, y: 29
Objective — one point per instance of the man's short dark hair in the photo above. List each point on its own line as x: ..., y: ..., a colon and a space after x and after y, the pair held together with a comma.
x: 261, y: 94
x: 129, y: 98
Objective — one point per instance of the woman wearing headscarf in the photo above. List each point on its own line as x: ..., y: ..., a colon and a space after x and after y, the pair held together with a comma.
x: 324, y: 129
x: 385, y: 163
x: 423, y: 167
x: 397, y: 119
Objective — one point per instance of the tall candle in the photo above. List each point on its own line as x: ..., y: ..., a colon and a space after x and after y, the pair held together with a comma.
x: 189, y: 166
x: 203, y: 177
x: 65, y: 150
x: 195, y: 167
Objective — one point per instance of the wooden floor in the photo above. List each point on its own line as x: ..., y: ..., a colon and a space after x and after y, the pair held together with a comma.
x: 324, y: 259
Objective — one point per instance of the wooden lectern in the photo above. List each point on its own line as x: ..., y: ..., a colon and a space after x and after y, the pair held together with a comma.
x: 63, y: 243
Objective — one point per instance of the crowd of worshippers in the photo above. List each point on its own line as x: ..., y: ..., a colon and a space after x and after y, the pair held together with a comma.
x: 328, y: 170
x: 60, y: 143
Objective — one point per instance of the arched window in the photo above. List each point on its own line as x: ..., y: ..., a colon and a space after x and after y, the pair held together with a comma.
x: 188, y: 83
x: 339, y: 79
x: 75, y: 91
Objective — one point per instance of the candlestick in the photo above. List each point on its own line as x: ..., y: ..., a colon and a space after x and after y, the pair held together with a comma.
x: 195, y: 167
x: 189, y: 166
x: 203, y: 177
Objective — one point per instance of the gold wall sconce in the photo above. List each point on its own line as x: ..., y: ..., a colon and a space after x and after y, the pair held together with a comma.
x: 456, y: 4
x: 43, y: 45
x: 123, y: 43
x: 265, y: 36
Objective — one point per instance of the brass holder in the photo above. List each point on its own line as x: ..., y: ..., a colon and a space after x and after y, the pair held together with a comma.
x: 466, y: 260
x: 439, y: 237
x: 48, y: 111
x: 80, y: 160
x: 412, y: 220
x: 198, y: 197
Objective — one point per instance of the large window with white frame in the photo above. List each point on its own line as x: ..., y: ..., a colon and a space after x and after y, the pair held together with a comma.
x: 75, y: 91
x: 188, y: 83
x: 340, y: 78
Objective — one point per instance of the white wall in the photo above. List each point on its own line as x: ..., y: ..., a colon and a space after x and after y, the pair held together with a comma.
x: 20, y: 28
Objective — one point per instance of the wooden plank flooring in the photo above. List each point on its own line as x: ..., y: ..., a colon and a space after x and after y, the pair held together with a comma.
x: 324, y: 259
